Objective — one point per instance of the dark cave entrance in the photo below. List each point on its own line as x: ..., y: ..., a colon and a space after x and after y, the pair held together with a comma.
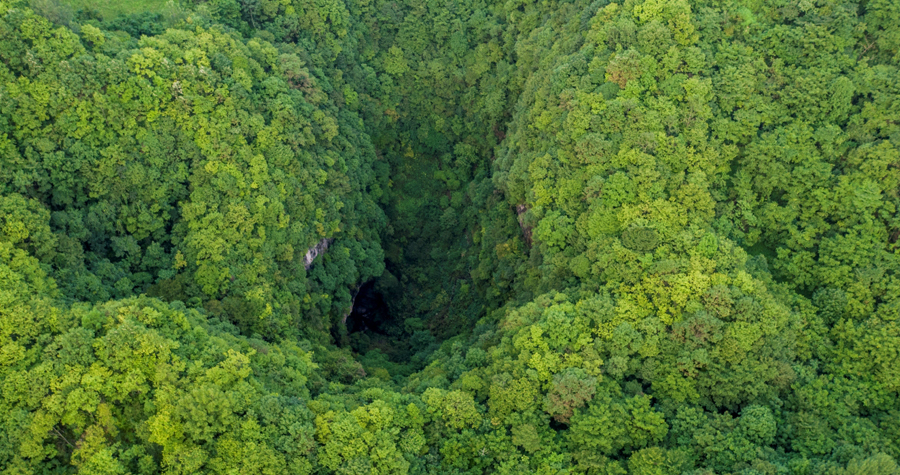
x: 370, y: 313
x: 372, y: 326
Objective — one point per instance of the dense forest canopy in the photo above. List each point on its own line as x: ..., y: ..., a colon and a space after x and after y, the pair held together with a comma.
x: 450, y: 236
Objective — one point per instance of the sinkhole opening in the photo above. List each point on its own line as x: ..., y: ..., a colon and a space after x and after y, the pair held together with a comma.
x: 371, y: 325
x: 379, y: 334
x: 370, y: 313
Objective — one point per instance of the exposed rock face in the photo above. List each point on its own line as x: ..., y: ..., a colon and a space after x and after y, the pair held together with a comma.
x: 352, y: 305
x: 521, y: 209
x: 314, y: 251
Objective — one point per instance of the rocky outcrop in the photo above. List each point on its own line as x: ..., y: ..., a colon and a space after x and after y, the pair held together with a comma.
x: 314, y: 251
x: 352, y: 304
x: 521, y: 209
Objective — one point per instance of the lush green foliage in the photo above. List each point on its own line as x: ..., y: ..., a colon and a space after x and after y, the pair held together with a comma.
x: 649, y: 237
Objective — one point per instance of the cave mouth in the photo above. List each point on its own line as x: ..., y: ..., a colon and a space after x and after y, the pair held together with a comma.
x: 370, y: 313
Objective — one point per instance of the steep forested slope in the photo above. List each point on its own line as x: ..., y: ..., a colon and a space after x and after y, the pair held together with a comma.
x: 370, y: 236
x: 189, y: 165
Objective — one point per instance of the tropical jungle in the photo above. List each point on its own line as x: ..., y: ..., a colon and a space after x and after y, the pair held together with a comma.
x: 605, y: 237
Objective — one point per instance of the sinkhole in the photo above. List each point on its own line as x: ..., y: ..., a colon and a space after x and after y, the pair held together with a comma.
x: 371, y: 325
x: 377, y: 332
x: 370, y: 312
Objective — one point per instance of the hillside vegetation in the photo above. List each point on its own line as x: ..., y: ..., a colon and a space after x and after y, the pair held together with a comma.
x: 450, y: 237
